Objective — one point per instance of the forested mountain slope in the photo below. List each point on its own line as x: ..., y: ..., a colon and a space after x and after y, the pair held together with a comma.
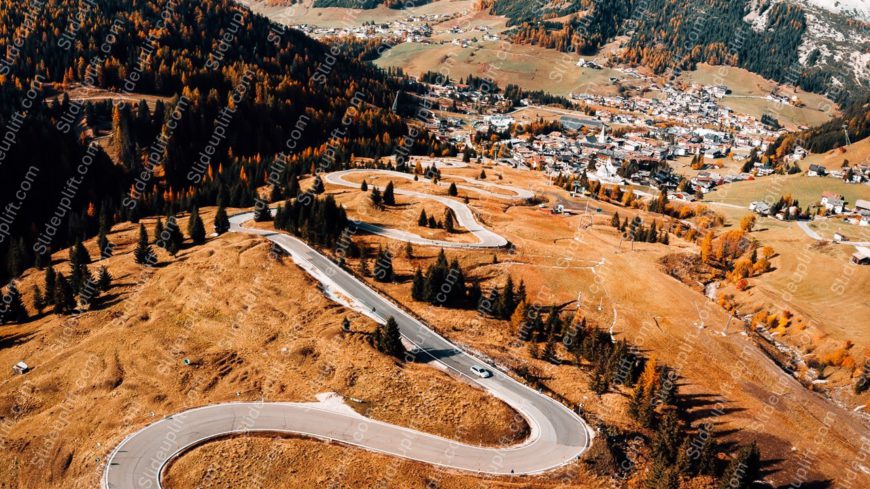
x: 799, y: 44
x: 233, y: 80
x: 370, y: 4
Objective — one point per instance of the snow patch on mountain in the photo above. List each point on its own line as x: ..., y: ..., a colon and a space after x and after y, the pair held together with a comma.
x: 859, y: 9
x: 756, y: 19
x: 837, y: 43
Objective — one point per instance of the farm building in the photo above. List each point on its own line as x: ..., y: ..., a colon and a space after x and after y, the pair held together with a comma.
x: 861, y: 255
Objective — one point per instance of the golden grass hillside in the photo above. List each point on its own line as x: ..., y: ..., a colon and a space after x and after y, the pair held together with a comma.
x: 581, y: 262
x: 280, y: 463
x: 250, y: 327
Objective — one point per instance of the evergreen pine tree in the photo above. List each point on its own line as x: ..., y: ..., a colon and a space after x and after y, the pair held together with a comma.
x: 452, y: 190
x: 474, y: 294
x: 318, y: 188
x: 507, y: 301
x: 105, y: 279
x: 384, y: 266
x: 742, y: 470
x: 391, y: 340
x: 42, y: 260
x: 448, y: 220
x: 13, y: 309
x: 38, y: 299
x: 663, y: 477
x: 64, y: 299
x: 684, y: 457
x: 409, y: 250
x: 389, y: 197
x: 489, y: 305
x: 78, y: 257
x: 668, y: 437
x: 364, y: 266
x: 174, y: 239
x: 221, y: 221
x: 293, y: 187
x: 89, y: 290
x: 104, y: 245
x: 419, y: 286
x: 705, y: 464
x: 78, y: 277
x: 143, y: 254
x: 534, y: 351
x: 376, y: 198
x: 599, y: 382
x: 456, y: 281
x: 17, y: 258
x: 262, y: 213
x: 196, y: 227
x: 422, y: 221
x: 194, y: 212
x: 549, y: 353
x: 441, y: 260
x: 364, y: 186
x: 160, y: 235
x: 276, y: 193
x: 50, y: 279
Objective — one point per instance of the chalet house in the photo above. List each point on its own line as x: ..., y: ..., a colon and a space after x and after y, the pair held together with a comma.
x: 862, y: 211
x: 861, y: 255
x: 833, y: 202
x: 21, y: 368
x: 798, y: 154
x: 759, y: 207
x: 816, y: 171
x: 765, y: 170
x: 715, y: 152
x: 685, y: 196
x: 741, y: 152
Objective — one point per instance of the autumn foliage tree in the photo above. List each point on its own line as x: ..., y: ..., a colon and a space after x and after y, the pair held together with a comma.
x: 747, y: 223
x: 388, y: 340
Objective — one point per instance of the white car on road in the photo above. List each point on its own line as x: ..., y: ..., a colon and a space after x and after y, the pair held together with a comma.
x: 480, y: 371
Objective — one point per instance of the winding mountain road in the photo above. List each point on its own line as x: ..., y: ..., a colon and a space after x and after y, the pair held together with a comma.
x: 464, y: 216
x: 805, y: 227
x: 557, y: 435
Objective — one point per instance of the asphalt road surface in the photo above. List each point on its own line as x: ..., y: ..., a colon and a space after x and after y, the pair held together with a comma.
x: 464, y: 216
x: 558, y: 436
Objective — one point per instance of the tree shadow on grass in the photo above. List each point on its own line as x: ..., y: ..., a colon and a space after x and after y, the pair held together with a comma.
x: 700, y: 407
x: 814, y: 484
x: 8, y: 341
